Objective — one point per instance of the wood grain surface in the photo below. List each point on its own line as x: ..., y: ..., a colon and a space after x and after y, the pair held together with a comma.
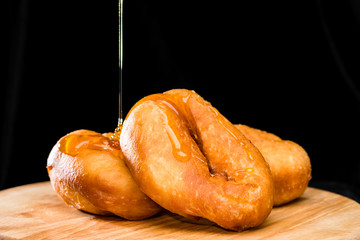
x: 35, y: 212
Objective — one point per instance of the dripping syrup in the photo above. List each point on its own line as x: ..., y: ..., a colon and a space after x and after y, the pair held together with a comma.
x: 117, y: 132
x: 73, y: 144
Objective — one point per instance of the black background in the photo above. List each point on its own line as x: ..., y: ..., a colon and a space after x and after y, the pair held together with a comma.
x: 287, y: 67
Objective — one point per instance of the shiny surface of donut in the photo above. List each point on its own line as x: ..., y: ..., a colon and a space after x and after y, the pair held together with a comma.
x: 87, y: 171
x: 289, y: 163
x: 192, y: 161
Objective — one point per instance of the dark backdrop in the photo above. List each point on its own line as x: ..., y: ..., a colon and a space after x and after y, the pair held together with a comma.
x: 287, y: 67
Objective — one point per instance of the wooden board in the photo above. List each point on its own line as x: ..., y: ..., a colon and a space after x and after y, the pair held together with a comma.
x: 35, y: 212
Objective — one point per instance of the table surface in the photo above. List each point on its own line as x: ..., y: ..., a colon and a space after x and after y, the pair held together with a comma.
x: 34, y: 211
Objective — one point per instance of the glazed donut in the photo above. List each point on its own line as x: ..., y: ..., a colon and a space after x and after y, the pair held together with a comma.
x: 87, y: 171
x: 192, y: 161
x: 289, y: 163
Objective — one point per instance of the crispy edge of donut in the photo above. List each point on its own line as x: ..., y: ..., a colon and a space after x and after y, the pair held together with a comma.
x: 289, y: 163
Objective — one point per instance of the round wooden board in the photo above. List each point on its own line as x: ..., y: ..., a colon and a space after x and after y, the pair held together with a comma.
x: 35, y: 212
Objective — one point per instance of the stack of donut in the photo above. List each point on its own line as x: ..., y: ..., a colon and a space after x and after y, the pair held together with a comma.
x: 177, y: 152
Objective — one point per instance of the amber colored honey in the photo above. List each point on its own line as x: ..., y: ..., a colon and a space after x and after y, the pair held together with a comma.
x: 116, y: 135
x: 180, y: 149
x: 73, y: 144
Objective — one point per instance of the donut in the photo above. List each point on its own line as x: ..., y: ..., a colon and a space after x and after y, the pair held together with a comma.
x: 289, y: 163
x: 192, y: 161
x: 87, y: 171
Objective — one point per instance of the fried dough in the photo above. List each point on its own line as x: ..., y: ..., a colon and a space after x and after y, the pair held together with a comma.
x: 87, y: 171
x: 192, y: 161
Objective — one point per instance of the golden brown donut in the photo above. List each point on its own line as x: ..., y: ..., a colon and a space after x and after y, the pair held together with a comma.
x: 87, y: 171
x: 289, y: 163
x: 192, y: 161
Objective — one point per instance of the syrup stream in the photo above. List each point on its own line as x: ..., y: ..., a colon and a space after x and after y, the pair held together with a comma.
x: 116, y: 135
x: 120, y: 120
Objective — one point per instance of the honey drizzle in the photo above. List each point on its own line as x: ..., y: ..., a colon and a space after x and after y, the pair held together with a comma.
x: 180, y: 150
x: 116, y: 135
x: 73, y: 144
x: 120, y: 121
